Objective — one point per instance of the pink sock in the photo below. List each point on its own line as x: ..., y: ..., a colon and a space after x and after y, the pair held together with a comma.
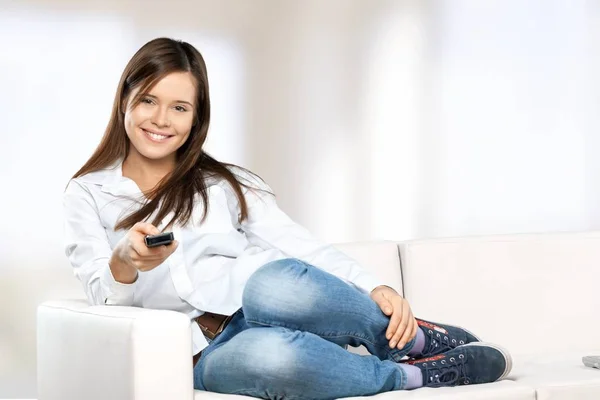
x: 419, y: 343
x: 414, y: 376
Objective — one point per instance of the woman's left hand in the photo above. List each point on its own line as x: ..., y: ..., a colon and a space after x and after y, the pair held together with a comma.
x: 403, y: 326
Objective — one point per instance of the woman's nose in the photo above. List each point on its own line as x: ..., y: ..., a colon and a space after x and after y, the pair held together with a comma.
x: 161, y: 117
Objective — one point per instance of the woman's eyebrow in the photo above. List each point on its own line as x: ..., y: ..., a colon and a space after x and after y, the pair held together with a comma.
x: 176, y: 101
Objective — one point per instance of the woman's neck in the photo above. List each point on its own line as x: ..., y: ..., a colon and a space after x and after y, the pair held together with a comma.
x: 145, y: 172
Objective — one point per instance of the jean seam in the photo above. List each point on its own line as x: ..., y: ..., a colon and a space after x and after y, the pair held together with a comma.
x: 328, y: 335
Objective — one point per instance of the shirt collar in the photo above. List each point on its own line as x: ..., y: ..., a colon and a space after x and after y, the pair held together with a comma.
x: 111, y: 180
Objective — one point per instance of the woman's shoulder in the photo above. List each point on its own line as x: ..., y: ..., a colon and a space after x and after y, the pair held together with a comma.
x: 95, y: 177
x: 92, y: 180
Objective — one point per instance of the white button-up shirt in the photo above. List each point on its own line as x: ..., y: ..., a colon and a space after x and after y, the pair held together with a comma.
x: 214, y: 259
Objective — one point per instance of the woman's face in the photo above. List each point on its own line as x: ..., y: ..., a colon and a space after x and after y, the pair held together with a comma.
x: 162, y: 121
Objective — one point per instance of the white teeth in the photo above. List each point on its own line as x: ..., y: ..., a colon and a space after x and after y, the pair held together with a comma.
x: 156, y: 136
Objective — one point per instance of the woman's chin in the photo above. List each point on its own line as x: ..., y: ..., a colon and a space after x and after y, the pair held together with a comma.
x: 154, y: 154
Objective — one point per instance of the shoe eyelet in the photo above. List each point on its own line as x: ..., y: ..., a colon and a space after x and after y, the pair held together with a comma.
x: 433, y: 363
x: 443, y: 361
x: 451, y: 359
x: 445, y: 337
x: 430, y: 331
x: 461, y: 356
x: 438, y: 335
x: 461, y: 342
x: 424, y: 364
x: 453, y: 340
x: 467, y: 381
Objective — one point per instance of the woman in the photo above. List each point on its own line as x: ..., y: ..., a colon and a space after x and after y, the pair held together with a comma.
x: 273, y: 308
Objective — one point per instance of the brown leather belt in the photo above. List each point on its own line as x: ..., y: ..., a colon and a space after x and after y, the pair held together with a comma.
x: 211, y: 326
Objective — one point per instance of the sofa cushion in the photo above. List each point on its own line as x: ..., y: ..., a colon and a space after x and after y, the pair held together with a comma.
x: 528, y: 293
x: 505, y: 390
x: 558, y: 376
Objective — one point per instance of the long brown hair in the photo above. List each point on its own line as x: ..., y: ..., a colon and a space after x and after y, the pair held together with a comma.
x: 177, y: 190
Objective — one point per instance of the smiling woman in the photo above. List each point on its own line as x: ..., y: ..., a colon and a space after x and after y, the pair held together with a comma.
x: 273, y: 307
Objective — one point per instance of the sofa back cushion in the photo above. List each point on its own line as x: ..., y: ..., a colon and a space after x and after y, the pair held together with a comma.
x: 529, y: 293
x: 380, y: 258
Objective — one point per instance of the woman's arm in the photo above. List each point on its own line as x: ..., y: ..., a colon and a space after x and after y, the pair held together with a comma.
x: 268, y: 226
x: 89, y: 251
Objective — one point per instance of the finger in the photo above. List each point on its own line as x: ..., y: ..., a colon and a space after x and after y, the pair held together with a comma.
x: 140, y: 265
x: 394, y: 320
x: 147, y: 265
x: 392, y: 329
x: 415, y: 330
x: 386, y: 306
x: 145, y: 228
x: 170, y: 249
x: 137, y: 251
x: 157, y: 255
x: 406, y: 337
x: 402, y: 325
x: 139, y: 244
x: 383, y: 303
x: 146, y: 253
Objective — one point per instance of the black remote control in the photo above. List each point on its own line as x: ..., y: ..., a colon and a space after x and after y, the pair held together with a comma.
x: 159, y: 240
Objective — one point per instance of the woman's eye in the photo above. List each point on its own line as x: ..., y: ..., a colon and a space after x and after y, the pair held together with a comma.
x: 180, y: 108
x: 147, y: 101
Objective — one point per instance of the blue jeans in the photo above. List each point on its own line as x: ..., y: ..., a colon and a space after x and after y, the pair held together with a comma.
x: 288, y: 341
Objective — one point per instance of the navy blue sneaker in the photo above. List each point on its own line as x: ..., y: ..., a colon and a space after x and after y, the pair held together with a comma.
x: 439, y: 338
x: 470, y: 364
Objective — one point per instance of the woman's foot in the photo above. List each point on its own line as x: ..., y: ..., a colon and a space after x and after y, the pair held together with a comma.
x: 439, y: 338
x: 470, y: 364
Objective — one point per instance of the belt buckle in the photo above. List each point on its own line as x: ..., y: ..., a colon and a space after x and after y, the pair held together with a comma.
x: 212, y: 335
x: 207, y: 332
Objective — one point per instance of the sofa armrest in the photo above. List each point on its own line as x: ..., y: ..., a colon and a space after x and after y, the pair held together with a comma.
x: 112, y: 352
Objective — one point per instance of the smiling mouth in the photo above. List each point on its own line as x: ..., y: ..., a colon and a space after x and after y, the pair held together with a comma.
x: 156, y: 137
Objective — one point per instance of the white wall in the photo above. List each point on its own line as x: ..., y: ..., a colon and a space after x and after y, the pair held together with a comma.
x: 370, y: 119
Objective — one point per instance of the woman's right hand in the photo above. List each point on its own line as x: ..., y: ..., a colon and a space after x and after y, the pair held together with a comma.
x: 132, y: 255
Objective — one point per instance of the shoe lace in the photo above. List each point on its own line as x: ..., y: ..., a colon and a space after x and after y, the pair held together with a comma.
x: 438, y: 343
x: 439, y: 374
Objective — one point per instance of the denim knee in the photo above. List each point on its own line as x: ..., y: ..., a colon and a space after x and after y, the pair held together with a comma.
x: 276, y: 271
x: 265, y: 355
x: 280, y: 288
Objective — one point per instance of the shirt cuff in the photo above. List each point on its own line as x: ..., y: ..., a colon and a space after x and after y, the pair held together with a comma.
x: 116, y: 293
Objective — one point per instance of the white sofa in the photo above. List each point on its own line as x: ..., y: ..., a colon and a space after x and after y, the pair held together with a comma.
x: 533, y: 294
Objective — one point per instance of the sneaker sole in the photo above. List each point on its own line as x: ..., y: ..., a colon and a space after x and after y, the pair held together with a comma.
x: 502, y: 351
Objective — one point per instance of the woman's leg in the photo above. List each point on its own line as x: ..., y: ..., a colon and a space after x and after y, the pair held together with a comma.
x: 292, y: 294
x: 277, y: 363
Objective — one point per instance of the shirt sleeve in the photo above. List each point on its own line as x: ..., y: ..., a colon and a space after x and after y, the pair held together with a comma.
x: 88, y: 249
x: 267, y: 226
